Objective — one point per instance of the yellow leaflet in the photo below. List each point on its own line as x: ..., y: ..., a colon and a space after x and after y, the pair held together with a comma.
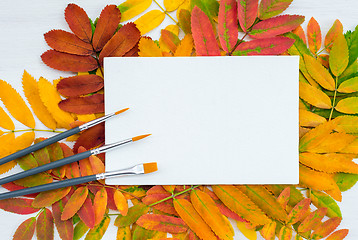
x: 303, y: 131
x: 310, y: 119
x: 149, y: 21
x: 148, y: 48
x: 268, y: 231
x: 51, y: 98
x: 338, y: 58
x: 16, y: 105
x: 314, y: 96
x: 5, y: 120
x: 173, y: 28
x: 124, y: 233
x: 319, y: 73
x: 185, y: 47
x: 185, y: 5
x: 349, y: 86
x: 31, y: 91
x: 348, y: 105
x: 351, y: 148
x: 316, y: 180
x: 131, y: 8
x: 351, y: 69
x: 6, y: 148
x: 247, y: 232
x: 317, y: 135
x: 85, y: 117
x: 285, y: 233
x: 332, y: 143
x: 171, y: 5
x: 24, y: 140
x: 1, y: 132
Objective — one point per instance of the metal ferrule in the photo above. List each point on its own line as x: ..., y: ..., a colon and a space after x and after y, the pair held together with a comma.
x: 108, y: 147
x: 137, y: 169
x: 96, y: 121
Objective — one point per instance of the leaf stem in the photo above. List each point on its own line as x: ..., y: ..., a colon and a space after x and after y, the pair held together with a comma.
x: 334, y: 99
x: 174, y: 195
x: 166, y: 13
x: 33, y: 130
x: 237, y: 44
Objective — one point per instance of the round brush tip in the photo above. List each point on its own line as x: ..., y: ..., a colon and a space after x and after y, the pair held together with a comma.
x: 121, y: 111
x: 150, y: 167
x: 140, y: 137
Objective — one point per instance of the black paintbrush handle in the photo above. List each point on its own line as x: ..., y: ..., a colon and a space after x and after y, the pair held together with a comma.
x: 47, y: 187
x: 45, y: 167
x: 40, y: 145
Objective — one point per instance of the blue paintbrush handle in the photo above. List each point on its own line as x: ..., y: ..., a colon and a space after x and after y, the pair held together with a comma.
x: 40, y: 145
x: 47, y: 187
x: 46, y: 167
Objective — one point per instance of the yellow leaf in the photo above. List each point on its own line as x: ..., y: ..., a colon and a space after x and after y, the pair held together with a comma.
x: 1, y: 133
x: 16, y: 105
x: 310, y: 119
x: 121, y: 202
x: 351, y: 148
x: 31, y: 91
x: 348, y: 105
x: 314, y: 96
x: 149, y: 21
x: 338, y: 59
x: 171, y: 5
x: 6, y: 148
x: 303, y: 131
x: 23, y: 141
x: 319, y: 73
x: 131, y: 8
x: 285, y: 233
x: 333, y: 142
x: 124, y: 233
x: 85, y: 117
x: 148, y: 48
x: 247, y: 232
x: 317, y: 135
x: 173, y: 28
x: 51, y: 98
x: 5, y: 120
x: 316, y: 180
x: 268, y: 231
x: 185, y: 47
x: 349, y: 86
x: 185, y: 5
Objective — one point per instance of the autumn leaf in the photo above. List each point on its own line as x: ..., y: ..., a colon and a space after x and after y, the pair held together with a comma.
x: 203, y: 34
x: 316, y: 180
x: 319, y: 73
x: 48, y: 198
x: 247, y: 13
x: 332, y: 34
x: 300, y: 33
x: 185, y: 20
x: 148, y: 48
x: 169, y: 40
x: 339, y: 56
x: 185, y: 47
x: 149, y: 21
x: 64, y: 228
x: 78, y: 22
x: 326, y: 228
x: 316, y: 136
x: 100, y: 205
x: 349, y: 86
x: 347, y: 124
x: 84, y: 164
x: 124, y: 233
x: 80, y: 230
x: 44, y: 225
x: 347, y: 105
x: 5, y: 121
x: 131, y: 8
x: 322, y: 200
x: 227, y: 24
x: 285, y: 233
x: 83, y: 105
x: 90, y: 138
x: 98, y: 231
x: 86, y: 213
x: 268, y: 231
x: 267, y: 46
x: 172, y: 5
x: 18, y: 205
x: 314, y: 96
x: 312, y: 220
x: 24, y: 140
x: 310, y: 119
x: 121, y: 202
x: 299, y: 211
x: 165, y: 206
x: 247, y: 230
x: 26, y: 230
x: 276, y: 26
x: 163, y: 223
x: 132, y: 216
x: 34, y: 180
x: 74, y: 203
x: 80, y: 85
x: 271, y: 8
x: 314, y: 36
x: 335, y: 142
x: 209, y: 7
x: 338, y: 235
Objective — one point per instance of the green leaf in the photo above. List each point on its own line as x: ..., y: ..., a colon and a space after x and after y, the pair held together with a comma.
x: 209, y: 7
x: 352, y: 42
x: 339, y: 57
x: 27, y: 162
x: 320, y: 199
x: 79, y: 230
x: 348, y: 105
x: 345, y: 181
x: 349, y: 86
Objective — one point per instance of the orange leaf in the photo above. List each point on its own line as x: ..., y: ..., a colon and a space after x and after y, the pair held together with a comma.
x: 284, y: 197
x: 314, y: 96
x: 169, y: 40
x: 100, y: 205
x: 316, y: 136
x: 26, y: 229
x: 80, y: 85
x: 5, y: 121
x: 148, y: 48
x: 326, y: 228
x: 24, y: 140
x: 338, y: 235
x: 18, y: 205
x: 74, y: 203
x: 96, y: 164
x: 79, y: 22
x: 316, y: 180
x: 166, y: 206
x: 310, y: 119
x: 64, y: 228
x: 90, y: 138
x: 185, y: 47
x: 163, y: 223
x: 314, y: 35
x: 285, y: 233
x: 334, y: 31
x: 44, y: 225
x: 85, y: 165
x: 124, y: 233
x: 47, y: 198
x: 312, y: 220
x: 300, y: 33
x: 86, y: 213
x: 72, y: 170
x: 121, y: 202
x: 268, y: 231
x: 7, y: 148
x: 299, y: 211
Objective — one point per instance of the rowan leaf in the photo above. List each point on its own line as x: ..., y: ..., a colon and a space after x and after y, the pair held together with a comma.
x: 149, y: 21
x: 80, y: 230
x: 172, y: 5
x: 26, y: 230
x: 84, y: 164
x: 285, y: 233
x: 267, y: 46
x: 238, y: 202
x: 300, y: 33
x: 67, y: 42
x: 209, y: 7
x: 314, y: 35
x: 349, y: 86
x: 166, y: 206
x: 44, y: 225
x: 163, y: 223
x: 276, y: 26
x: 310, y: 119
x: 48, y: 198
x: 249, y: 233
x: 184, y: 19
x: 247, y: 13
x: 64, y: 228
x: 335, y: 142
x: 131, y: 8
x: 332, y: 34
x: 100, y: 205
x: 96, y: 164
x: 74, y: 203
x: 106, y: 26
x: 227, y: 24
x: 34, y: 180
x: 338, y: 235
x: 5, y: 121
x: 320, y: 199
x: 24, y: 140
x: 319, y: 73
x: 271, y: 8
x: 348, y: 105
x: 16, y: 105
x: 185, y: 47
x: 148, y: 48
x: 316, y: 136
x: 86, y: 213
x: 121, y: 202
x: 326, y: 228
x: 51, y: 98
x: 339, y: 56
x: 345, y: 181
x: 295, y: 195
x: 18, y: 205
x: 203, y: 34
x: 169, y: 40
x: 284, y: 197
x: 122, y: 42
x: 78, y: 22
x: 80, y: 85
x: 83, y: 105
x: 268, y: 231
x: 314, y: 96
x: 316, y: 180
x: 132, y: 216
x: 72, y: 170
x: 312, y: 220
x: 97, y: 232
x: 187, y: 212
x: 90, y: 138
x: 352, y: 42
x: 7, y: 148
x: 299, y: 211
x: 27, y: 162
x: 124, y: 233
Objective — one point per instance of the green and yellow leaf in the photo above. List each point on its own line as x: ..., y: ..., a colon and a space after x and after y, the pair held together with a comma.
x: 339, y: 56
x: 314, y: 96
x: 131, y: 8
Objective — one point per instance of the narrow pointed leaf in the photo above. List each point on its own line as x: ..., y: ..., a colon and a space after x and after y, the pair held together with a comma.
x: 97, y: 232
x: 300, y: 33
x: 332, y: 34
x: 121, y: 202
x: 44, y: 225
x: 79, y: 22
x: 285, y: 233
x: 268, y: 231
x: 131, y: 8
x: 79, y: 231
x: 185, y: 20
x: 352, y: 41
x: 247, y: 13
x: 26, y: 230
x: 314, y: 96
x: 5, y: 120
x: 267, y: 46
x: 310, y: 119
x: 271, y: 8
x: 319, y: 73
x: 86, y: 213
x: 312, y: 220
x: 124, y: 233
x: 169, y: 40
x: 18, y: 205
x: 84, y: 164
x: 166, y: 206
x: 316, y: 180
x: 227, y: 24
x: 100, y: 205
x: 163, y: 223
x: 83, y: 105
x: 34, y: 180
x: 148, y: 48
x: 348, y: 105
x: 47, y: 198
x: 64, y: 228
x: 74, y: 203
x: 339, y: 56
x: 316, y: 136
x: 349, y: 86
x: 299, y: 211
x: 322, y: 200
x: 284, y: 197
x: 149, y: 21
x: 326, y: 228
x: 132, y: 216
x: 79, y: 85
x: 314, y: 35
x: 338, y: 235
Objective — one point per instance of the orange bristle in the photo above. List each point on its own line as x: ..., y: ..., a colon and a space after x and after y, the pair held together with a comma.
x: 150, y: 167
x: 140, y: 137
x: 120, y: 111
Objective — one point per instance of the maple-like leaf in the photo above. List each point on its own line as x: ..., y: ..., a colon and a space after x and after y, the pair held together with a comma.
x: 203, y: 34
x: 334, y: 31
x: 339, y: 56
x: 267, y: 46
x: 79, y: 85
x: 131, y: 8
x: 314, y: 35
x: 271, y: 8
x: 74, y: 203
x: 247, y: 13
x: 149, y: 21
x: 44, y: 225
x: 26, y: 229
x: 162, y: 223
x: 78, y: 22
x: 64, y: 228
x: 227, y: 24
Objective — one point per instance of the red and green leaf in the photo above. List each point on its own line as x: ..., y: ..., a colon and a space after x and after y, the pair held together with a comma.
x: 47, y: 198
x: 299, y: 211
x: 247, y: 13
x: 18, y: 205
x: 227, y: 24
x: 271, y: 8
x: 64, y: 228
x: 26, y: 230
x: 163, y: 223
x: 86, y: 213
x: 332, y: 34
x: 267, y: 46
x: 132, y: 216
x: 338, y: 235
x: 44, y: 225
x: 326, y: 228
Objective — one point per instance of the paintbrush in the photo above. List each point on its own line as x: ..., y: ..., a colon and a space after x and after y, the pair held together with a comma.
x: 58, y: 137
x: 135, y: 170
x: 69, y: 160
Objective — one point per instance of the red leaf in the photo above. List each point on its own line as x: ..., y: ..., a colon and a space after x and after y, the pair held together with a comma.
x: 86, y: 213
x: 67, y: 42
x: 110, y: 199
x: 26, y: 230
x: 90, y: 138
x: 13, y: 187
x: 326, y: 228
x: 203, y: 34
x: 271, y: 8
x: 299, y: 211
x: 18, y: 205
x: 106, y: 26
x: 268, y: 46
x: 83, y: 105
x: 80, y: 85
x: 74, y: 203
x: 157, y: 189
x: 338, y: 235
x: 247, y: 13
x: 78, y: 22
x: 85, y: 166
x: 276, y: 26
x: 170, y: 40
x: 47, y: 198
x: 314, y: 35
x: 227, y: 25
x: 163, y: 223
x: 64, y: 228
x: 133, y: 52
x: 123, y: 41
x: 44, y: 225
x: 68, y: 62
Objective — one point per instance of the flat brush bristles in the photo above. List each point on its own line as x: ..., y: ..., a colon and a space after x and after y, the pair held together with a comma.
x: 150, y: 167
x: 120, y: 111
x: 140, y: 137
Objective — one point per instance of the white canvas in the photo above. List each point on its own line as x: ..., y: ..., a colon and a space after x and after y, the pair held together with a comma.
x: 213, y: 120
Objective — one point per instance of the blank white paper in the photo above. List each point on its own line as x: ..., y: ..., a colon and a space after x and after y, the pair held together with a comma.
x: 213, y: 120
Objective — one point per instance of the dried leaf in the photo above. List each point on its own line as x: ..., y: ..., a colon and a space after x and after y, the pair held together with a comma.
x: 26, y: 230
x: 44, y: 225
x: 339, y: 56
x: 83, y: 105
x: 64, y: 228
x: 348, y: 105
x: 247, y: 13
x: 332, y: 34
x: 149, y: 21
x: 100, y: 205
x: 132, y: 216
x: 314, y: 35
x: 131, y: 8
x: 121, y: 202
x: 227, y: 24
x: 172, y: 5
x: 322, y: 200
x: 78, y: 22
x: 319, y: 73
x: 86, y: 213
x: 310, y: 119
x: 326, y: 228
x: 16, y: 105
x: 163, y: 223
x: 18, y: 205
x: 276, y: 26
x: 338, y: 235
x: 79, y: 85
x: 74, y: 203
x: 148, y: 48
x: 203, y: 34
x: 5, y: 121
x: 312, y: 220
x: 98, y: 232
x: 90, y: 138
x: 271, y: 8
x: 48, y: 198
x: 267, y: 46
